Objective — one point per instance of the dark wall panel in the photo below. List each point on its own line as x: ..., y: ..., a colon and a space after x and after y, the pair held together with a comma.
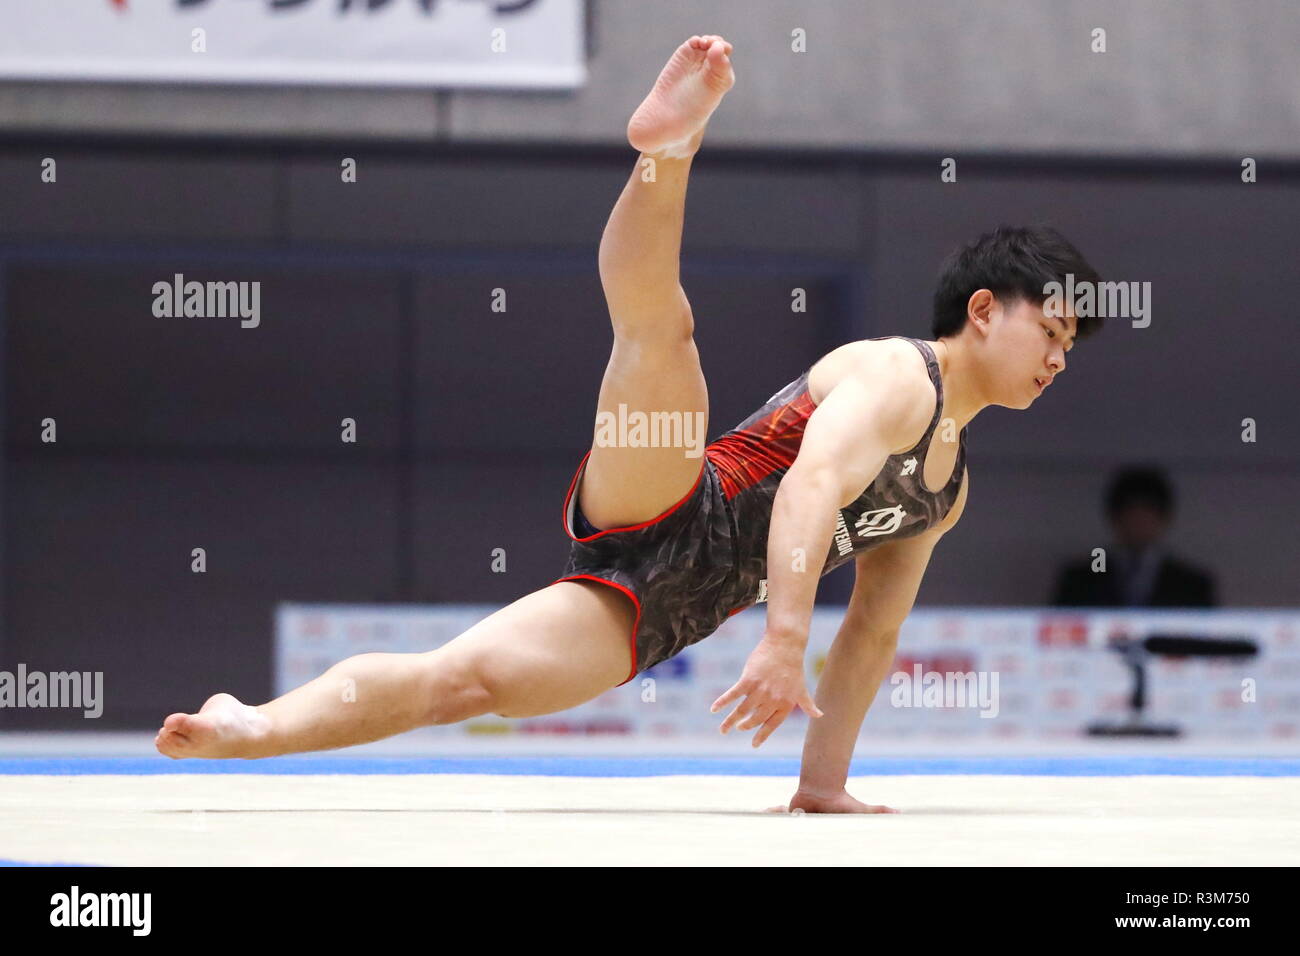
x: 123, y: 196
x: 98, y: 572
x: 451, y: 202
x: 554, y: 203
x: 85, y: 348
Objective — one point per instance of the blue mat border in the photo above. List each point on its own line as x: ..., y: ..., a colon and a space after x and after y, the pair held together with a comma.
x: 651, y: 766
x: 30, y: 863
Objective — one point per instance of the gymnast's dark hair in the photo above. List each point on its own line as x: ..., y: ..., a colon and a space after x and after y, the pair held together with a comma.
x: 1013, y: 263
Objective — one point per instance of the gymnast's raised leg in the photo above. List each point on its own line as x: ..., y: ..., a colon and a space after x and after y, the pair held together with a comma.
x: 567, y: 643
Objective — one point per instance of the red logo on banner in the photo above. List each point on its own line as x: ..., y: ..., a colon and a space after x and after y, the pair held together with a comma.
x: 952, y: 628
x: 939, y: 663
x: 1229, y: 699
x: 1063, y: 632
x: 1062, y: 698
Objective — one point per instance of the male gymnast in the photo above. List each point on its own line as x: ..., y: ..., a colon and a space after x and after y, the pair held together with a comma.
x: 862, y: 458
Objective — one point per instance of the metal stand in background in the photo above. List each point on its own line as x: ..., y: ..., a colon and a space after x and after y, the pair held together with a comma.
x: 1136, y: 652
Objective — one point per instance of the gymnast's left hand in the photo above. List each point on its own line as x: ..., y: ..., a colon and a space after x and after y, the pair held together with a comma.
x: 772, y: 685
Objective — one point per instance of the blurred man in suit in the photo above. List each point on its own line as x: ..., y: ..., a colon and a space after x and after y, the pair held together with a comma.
x: 1139, y: 571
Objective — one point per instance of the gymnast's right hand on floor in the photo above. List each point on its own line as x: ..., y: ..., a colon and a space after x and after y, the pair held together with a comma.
x: 772, y: 685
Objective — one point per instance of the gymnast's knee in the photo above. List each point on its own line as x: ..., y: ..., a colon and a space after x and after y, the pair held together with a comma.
x: 457, y: 691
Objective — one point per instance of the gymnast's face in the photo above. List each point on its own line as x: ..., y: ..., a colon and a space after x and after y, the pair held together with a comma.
x: 1024, y: 345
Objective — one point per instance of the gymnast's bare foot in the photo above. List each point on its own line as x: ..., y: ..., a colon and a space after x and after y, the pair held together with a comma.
x: 223, y: 727
x: 670, y: 120
x: 839, y: 802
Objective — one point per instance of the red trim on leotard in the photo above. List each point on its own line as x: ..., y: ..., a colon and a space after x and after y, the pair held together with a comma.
x: 564, y: 514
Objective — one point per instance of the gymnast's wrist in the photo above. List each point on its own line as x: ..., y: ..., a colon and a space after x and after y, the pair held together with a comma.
x: 785, y: 635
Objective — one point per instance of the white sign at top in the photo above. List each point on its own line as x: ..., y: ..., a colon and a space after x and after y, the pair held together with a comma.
x: 478, y: 43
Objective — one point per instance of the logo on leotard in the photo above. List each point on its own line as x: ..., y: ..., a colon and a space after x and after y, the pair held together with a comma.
x: 843, y: 540
x: 909, y: 467
x: 762, y: 592
x: 880, y: 521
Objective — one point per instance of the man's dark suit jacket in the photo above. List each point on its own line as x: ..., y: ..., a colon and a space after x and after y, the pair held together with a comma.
x: 1176, y: 585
